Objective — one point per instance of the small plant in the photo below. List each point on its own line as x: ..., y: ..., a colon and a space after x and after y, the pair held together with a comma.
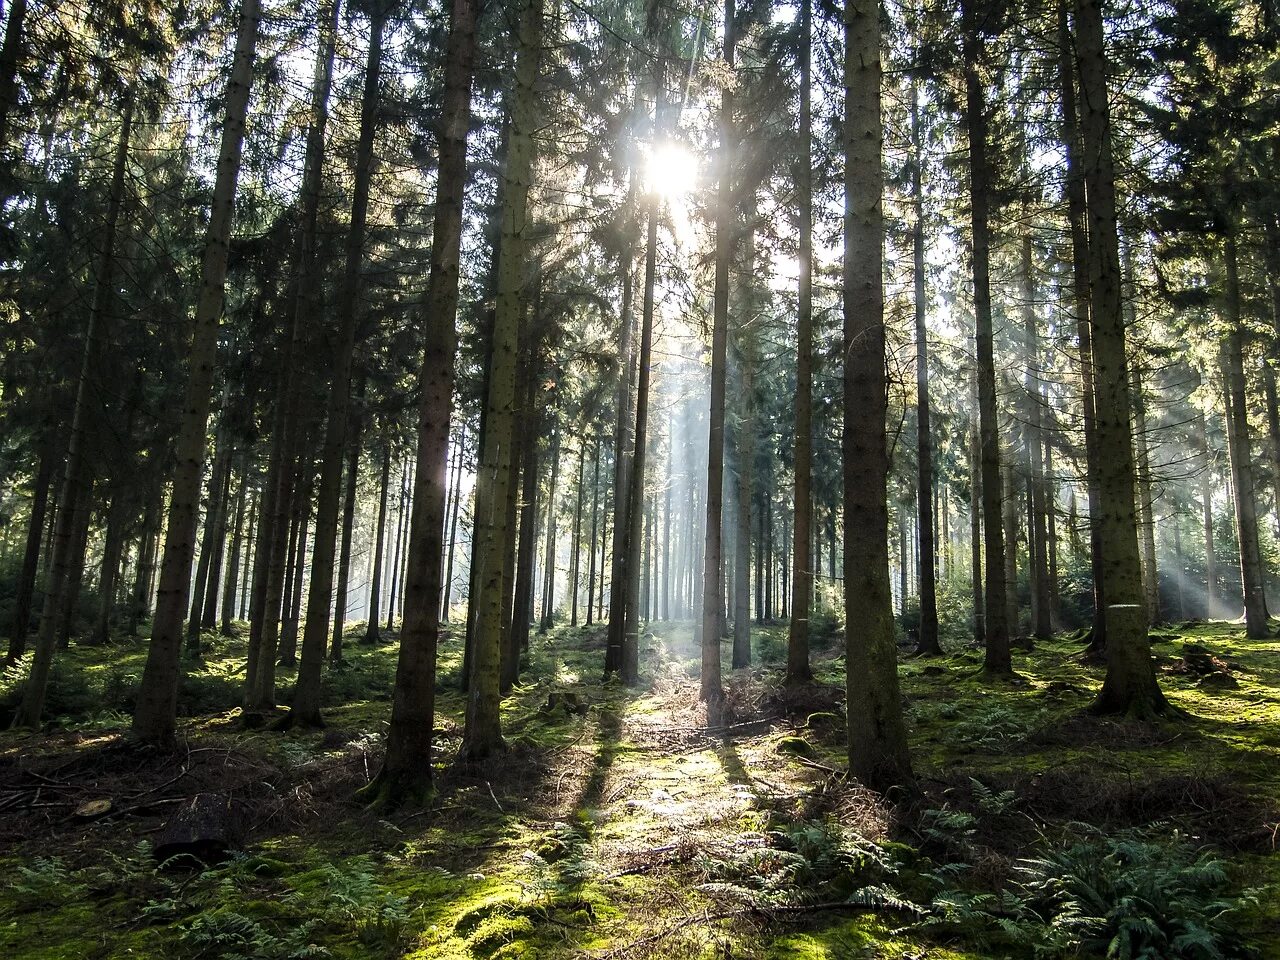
x: 227, y: 935
x: 46, y: 881
x: 1127, y: 898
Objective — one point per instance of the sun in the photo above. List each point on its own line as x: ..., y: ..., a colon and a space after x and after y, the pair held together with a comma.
x: 671, y: 170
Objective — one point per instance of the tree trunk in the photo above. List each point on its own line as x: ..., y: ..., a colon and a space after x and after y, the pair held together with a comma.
x: 711, y: 691
x: 927, y: 644
x: 1240, y: 453
x: 877, y: 734
x: 1206, y: 502
x: 1037, y: 528
x: 76, y: 476
x: 997, y: 660
x: 1130, y: 686
x: 371, y: 634
x: 549, y: 564
x: 630, y: 667
x: 591, y: 541
x: 112, y: 551
x: 453, y: 525
x: 227, y: 613
x: 155, y: 716
x: 31, y: 556
x: 348, y: 531
x: 1077, y: 215
x: 575, y: 544
x: 1150, y: 572
x: 406, y: 770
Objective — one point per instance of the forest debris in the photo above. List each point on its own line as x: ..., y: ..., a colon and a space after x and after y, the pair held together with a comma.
x: 203, y: 829
x: 92, y: 809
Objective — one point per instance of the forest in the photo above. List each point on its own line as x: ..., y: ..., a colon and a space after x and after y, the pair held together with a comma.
x: 639, y: 478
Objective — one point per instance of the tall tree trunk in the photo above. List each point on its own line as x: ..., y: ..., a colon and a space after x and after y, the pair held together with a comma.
x: 623, y: 452
x: 630, y: 666
x: 118, y: 517
x: 877, y: 733
x: 155, y: 716
x: 406, y: 770
x: 453, y: 525
x: 549, y: 563
x: 1130, y: 686
x: 76, y: 476
x: 575, y: 544
x: 31, y: 555
x: 298, y: 565
x: 492, y: 533
x: 11, y: 55
x: 348, y: 531
x: 79, y: 549
x: 371, y: 634
x: 227, y: 613
x: 1206, y: 512
x: 591, y: 541
x: 144, y: 576
x: 927, y: 642
x: 213, y: 511
x: 975, y: 514
x: 1239, y: 449
x: 1081, y: 295
x: 711, y: 690
x: 1038, y: 532
x: 997, y: 660
x: 1146, y: 520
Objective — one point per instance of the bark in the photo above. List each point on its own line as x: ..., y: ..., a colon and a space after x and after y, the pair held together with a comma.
x: 623, y: 452
x: 207, y: 544
x: 1239, y: 449
x: 877, y: 733
x: 711, y: 690
x: 1077, y: 215
x: 591, y: 541
x: 372, y: 635
x: 927, y: 642
x: 1146, y: 521
x: 549, y: 563
x: 1206, y: 504
x: 118, y: 518
x: 155, y: 716
x: 348, y: 530
x: 1038, y: 532
x: 77, y: 470
x: 298, y: 564
x: 744, y: 454
x: 401, y: 520
x: 630, y: 666
x: 406, y: 770
x: 140, y: 605
x: 31, y: 556
x: 1130, y: 686
x: 83, y: 509
x: 453, y: 526
x: 575, y: 543
x: 227, y: 613
x: 997, y: 660
x: 11, y: 55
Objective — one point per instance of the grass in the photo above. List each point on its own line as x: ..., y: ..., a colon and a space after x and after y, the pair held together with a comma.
x: 616, y: 826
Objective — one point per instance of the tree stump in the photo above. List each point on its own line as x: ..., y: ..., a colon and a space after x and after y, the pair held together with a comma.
x: 202, y: 829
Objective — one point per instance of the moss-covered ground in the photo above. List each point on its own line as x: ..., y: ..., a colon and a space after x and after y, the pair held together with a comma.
x: 617, y: 825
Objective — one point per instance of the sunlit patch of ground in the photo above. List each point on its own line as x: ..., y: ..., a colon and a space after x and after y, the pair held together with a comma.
x: 617, y: 825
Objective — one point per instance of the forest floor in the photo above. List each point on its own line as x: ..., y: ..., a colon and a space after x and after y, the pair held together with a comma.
x: 616, y: 826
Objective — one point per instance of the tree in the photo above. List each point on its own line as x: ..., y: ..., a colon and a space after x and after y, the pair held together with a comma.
x: 877, y: 732
x: 406, y: 769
